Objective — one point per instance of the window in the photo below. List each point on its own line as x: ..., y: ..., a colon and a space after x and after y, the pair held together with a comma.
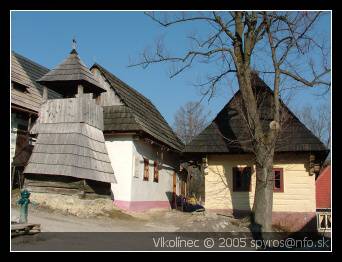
x: 146, y: 171
x: 242, y: 179
x: 156, y: 172
x: 324, y: 221
x: 19, y: 87
x: 278, y: 180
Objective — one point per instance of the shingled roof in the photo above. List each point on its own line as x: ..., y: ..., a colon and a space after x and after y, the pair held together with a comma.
x: 24, y: 73
x: 228, y: 132
x: 71, y: 70
x: 136, y: 114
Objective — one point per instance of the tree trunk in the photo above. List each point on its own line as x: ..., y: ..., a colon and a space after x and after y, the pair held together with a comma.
x: 263, y: 199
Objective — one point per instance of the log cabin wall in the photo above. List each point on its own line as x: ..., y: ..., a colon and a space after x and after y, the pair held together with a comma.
x: 67, y: 186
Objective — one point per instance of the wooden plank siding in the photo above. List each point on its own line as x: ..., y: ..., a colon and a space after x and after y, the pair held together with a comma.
x: 72, y: 110
x: 299, y: 185
x: 70, y: 141
x: 66, y: 185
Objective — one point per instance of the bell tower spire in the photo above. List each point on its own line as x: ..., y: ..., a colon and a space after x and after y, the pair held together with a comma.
x: 72, y: 77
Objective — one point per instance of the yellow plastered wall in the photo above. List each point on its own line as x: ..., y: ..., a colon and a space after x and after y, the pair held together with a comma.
x: 299, y: 186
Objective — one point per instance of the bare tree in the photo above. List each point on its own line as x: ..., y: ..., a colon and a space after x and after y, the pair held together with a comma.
x: 189, y: 121
x: 284, y: 46
x: 318, y: 121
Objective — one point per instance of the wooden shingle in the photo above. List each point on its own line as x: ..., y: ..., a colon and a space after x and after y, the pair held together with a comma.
x: 25, y: 91
x: 71, y: 70
x: 70, y: 141
x: 228, y: 132
x: 137, y: 114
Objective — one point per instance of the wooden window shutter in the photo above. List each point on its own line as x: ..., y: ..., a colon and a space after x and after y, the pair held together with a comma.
x: 156, y: 172
x: 146, y: 170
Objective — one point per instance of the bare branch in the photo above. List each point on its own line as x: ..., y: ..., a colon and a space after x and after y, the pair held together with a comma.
x: 176, y: 21
x: 316, y: 81
x: 223, y: 26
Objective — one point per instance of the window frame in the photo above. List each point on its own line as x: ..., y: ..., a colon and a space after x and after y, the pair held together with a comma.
x: 155, y: 171
x: 146, y: 169
x: 281, y: 189
x: 241, y: 170
x: 325, y: 215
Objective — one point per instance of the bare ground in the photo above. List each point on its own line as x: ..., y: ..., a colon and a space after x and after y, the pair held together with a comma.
x: 69, y: 214
x: 152, y: 221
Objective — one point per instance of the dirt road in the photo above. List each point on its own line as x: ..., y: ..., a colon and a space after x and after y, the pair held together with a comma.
x: 154, y: 221
x: 54, y: 224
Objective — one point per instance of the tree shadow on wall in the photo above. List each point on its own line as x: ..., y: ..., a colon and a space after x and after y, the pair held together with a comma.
x: 239, y: 201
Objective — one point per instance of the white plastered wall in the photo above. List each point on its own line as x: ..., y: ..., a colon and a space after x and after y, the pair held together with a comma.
x: 150, y: 190
x: 120, y: 151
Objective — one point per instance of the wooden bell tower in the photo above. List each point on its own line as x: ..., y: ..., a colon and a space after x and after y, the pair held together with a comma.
x: 70, y: 141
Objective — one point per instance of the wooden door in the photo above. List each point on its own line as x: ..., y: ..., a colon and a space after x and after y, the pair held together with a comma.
x: 182, y: 184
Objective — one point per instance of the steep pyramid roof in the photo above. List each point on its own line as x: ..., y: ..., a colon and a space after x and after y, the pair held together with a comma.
x: 228, y: 132
x: 72, y: 70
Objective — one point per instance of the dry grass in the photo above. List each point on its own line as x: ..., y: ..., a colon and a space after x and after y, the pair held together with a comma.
x: 73, y: 205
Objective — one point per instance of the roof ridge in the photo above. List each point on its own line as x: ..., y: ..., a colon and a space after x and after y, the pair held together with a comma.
x: 29, y: 60
x: 154, y: 124
x: 122, y: 82
x: 310, y: 143
x: 104, y: 71
x: 132, y: 89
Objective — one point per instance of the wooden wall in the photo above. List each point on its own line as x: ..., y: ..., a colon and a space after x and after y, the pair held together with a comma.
x: 299, y: 186
x: 67, y: 186
x: 72, y: 110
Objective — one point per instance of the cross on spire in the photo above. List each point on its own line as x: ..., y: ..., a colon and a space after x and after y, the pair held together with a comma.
x: 74, y: 43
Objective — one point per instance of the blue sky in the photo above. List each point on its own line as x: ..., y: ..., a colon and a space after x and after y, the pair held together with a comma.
x: 111, y: 38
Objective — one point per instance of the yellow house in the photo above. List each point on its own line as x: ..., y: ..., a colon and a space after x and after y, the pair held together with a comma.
x: 224, y: 152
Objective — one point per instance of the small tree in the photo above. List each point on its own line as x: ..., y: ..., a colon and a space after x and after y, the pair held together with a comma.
x: 282, y: 45
x: 189, y: 121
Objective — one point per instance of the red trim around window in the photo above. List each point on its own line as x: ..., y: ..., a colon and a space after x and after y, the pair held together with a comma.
x: 281, y: 179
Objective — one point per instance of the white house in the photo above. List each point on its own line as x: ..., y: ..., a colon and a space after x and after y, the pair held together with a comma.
x: 143, y: 149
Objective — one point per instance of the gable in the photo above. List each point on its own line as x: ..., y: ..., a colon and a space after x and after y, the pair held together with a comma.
x: 229, y: 133
x: 108, y: 98
x: 136, y: 112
